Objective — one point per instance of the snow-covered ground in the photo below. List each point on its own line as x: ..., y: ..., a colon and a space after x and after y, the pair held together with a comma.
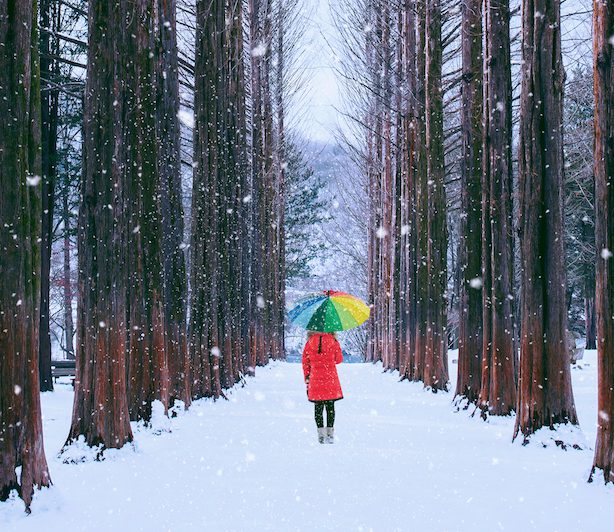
x: 403, y: 460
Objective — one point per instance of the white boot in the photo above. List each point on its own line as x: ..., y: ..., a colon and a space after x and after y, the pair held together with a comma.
x: 330, y: 435
x: 322, y: 434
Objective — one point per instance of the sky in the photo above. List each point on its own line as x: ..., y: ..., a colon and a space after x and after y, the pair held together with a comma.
x: 317, y: 117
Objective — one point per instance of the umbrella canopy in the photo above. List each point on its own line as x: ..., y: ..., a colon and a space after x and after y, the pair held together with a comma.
x: 329, y: 311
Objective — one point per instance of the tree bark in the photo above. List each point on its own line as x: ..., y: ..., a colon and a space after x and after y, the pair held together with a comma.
x: 49, y: 127
x: 148, y: 376
x: 21, y: 433
x: 435, y: 374
x: 421, y: 182
x: 204, y: 257
x: 100, y: 411
x: 545, y: 396
x: 498, y: 390
x: 470, y: 249
x: 169, y: 171
x: 217, y: 268
x: 590, y: 320
x: 408, y: 204
x: 603, y: 29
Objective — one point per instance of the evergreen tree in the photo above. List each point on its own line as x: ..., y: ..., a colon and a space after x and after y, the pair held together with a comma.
x: 305, y: 209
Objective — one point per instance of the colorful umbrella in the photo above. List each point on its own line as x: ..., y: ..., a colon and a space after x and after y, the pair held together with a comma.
x: 329, y: 311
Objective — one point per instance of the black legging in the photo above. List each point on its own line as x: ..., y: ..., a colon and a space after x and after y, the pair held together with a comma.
x: 319, y: 413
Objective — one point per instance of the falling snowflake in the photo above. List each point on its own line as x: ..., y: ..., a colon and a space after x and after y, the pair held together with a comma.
x: 215, y: 351
x: 606, y: 254
x: 260, y: 302
x: 186, y: 118
x: 247, y: 199
x: 33, y: 180
x: 259, y: 50
x: 17, y: 389
x: 476, y: 283
x: 136, y: 229
x: 381, y: 232
x: 102, y: 324
x: 404, y: 229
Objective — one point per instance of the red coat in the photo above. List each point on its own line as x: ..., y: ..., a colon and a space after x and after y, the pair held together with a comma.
x: 319, y: 367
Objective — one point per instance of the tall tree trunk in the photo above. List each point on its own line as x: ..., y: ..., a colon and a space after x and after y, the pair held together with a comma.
x: 421, y: 183
x: 169, y: 170
x: 257, y: 298
x: 49, y: 127
x: 470, y: 249
x: 217, y: 267
x: 603, y: 52
x: 281, y: 172
x: 387, y: 190
x: 203, y: 339
x: 148, y: 377
x: 498, y: 390
x: 21, y: 433
x: 408, y: 227
x: 545, y: 396
x: 435, y: 374
x: 100, y: 411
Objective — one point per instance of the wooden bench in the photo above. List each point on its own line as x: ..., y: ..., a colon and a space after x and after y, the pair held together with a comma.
x: 63, y: 368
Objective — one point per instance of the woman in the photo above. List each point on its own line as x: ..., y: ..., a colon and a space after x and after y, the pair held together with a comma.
x: 321, y: 355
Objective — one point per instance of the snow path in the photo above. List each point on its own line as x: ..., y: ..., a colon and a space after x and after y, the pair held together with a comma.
x: 404, y: 460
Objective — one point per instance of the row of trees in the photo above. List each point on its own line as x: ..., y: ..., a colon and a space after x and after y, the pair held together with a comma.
x: 151, y: 327
x: 411, y: 111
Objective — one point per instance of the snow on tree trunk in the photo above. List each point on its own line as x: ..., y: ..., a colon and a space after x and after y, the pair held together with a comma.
x: 545, y: 396
x: 603, y: 35
x: 21, y: 433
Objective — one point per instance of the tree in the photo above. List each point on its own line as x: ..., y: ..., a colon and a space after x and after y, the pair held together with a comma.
x: 49, y: 135
x: 304, y: 210
x: 435, y: 373
x: 545, y: 396
x: 100, y: 411
x: 470, y: 252
x: 217, y: 202
x: 603, y: 68
x: 580, y: 204
x: 169, y: 170
x: 148, y: 376
x: 498, y: 388
x: 21, y: 433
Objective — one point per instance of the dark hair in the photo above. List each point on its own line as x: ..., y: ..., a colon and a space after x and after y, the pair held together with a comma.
x: 312, y: 333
